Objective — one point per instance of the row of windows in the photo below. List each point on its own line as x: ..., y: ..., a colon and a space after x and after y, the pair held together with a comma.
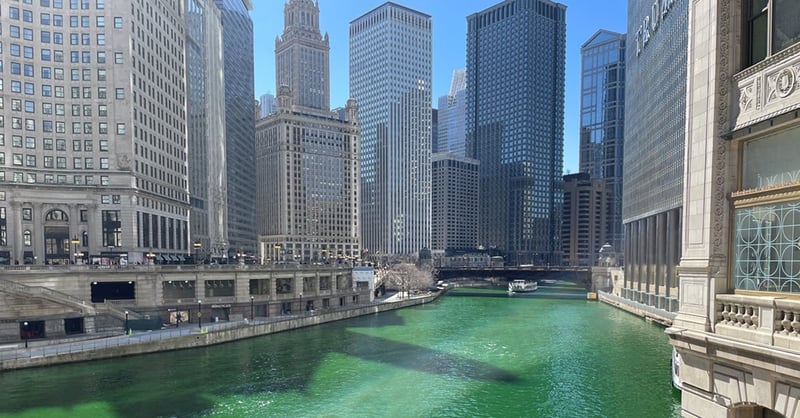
x: 60, y: 143
x: 29, y: 125
x: 47, y: 108
x: 73, y: 4
x: 32, y: 178
x: 29, y: 160
x: 57, y: 38
x: 75, y: 92
x: 75, y: 57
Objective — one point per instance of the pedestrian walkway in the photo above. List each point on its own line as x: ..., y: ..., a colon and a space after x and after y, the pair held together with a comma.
x: 48, y: 348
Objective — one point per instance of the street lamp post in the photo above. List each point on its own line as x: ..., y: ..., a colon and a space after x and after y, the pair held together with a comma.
x: 25, y: 331
x: 199, y: 314
x: 75, y: 241
x: 196, y: 245
x: 252, y: 309
x: 126, y: 323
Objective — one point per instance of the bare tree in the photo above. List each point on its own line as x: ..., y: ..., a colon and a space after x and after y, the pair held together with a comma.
x: 406, y: 277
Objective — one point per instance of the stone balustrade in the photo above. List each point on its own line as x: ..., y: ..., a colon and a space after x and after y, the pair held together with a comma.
x: 773, y: 321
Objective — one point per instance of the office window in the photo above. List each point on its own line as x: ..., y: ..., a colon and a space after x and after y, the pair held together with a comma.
x: 120, y: 93
x: 117, y: 23
x: 120, y: 129
x: 118, y: 58
x: 771, y: 27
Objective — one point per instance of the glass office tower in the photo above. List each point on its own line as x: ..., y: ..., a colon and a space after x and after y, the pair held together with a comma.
x: 237, y: 35
x: 205, y: 105
x: 390, y: 77
x: 602, y: 124
x: 515, y: 126
x: 452, y: 106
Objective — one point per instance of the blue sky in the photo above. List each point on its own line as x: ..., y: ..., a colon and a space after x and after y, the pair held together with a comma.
x: 584, y: 18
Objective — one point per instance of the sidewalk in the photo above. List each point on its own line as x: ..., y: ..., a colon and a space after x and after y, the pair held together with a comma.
x: 43, y: 353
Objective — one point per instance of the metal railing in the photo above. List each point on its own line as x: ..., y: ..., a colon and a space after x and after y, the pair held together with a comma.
x: 39, y: 348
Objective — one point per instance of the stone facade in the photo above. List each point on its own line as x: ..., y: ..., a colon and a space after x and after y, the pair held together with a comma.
x: 50, y: 296
x: 738, y: 322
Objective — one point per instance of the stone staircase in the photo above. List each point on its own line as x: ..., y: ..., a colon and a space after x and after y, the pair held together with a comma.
x: 88, y: 309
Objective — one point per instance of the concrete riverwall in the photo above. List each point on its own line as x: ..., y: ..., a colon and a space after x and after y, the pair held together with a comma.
x: 211, y: 336
x: 647, y: 312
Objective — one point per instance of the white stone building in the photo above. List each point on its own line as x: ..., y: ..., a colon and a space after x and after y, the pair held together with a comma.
x: 93, y: 131
x: 737, y: 329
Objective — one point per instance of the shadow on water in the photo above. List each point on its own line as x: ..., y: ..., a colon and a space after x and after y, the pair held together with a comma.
x: 277, y: 363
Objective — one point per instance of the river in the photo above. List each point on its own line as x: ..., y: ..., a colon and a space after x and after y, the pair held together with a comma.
x: 473, y: 353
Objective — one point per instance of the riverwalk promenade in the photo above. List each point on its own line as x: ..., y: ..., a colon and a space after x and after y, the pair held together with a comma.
x: 45, y: 353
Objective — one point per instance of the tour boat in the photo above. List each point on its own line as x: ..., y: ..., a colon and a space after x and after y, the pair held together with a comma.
x: 522, y: 286
x: 676, y: 365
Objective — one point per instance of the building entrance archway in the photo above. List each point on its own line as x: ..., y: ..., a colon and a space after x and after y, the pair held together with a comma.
x: 56, y: 237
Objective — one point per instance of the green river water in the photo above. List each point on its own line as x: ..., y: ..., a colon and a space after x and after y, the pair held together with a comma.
x: 473, y: 353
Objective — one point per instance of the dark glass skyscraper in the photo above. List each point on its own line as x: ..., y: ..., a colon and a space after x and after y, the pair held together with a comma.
x: 515, y: 125
x: 602, y: 123
x: 237, y: 34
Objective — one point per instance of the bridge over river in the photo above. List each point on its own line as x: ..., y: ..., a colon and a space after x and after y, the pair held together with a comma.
x: 577, y: 275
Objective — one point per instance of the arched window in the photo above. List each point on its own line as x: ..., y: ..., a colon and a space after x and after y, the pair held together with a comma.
x: 26, y: 238
x: 85, y: 239
x: 56, y: 215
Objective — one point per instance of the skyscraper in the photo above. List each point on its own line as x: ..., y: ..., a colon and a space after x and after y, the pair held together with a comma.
x: 93, y: 144
x: 205, y: 107
x: 267, y: 104
x: 237, y: 35
x: 306, y: 155
x: 655, y: 121
x: 301, y: 56
x: 601, y: 125
x: 584, y: 227
x: 515, y: 125
x: 390, y: 77
x: 452, y: 107
x: 454, y: 210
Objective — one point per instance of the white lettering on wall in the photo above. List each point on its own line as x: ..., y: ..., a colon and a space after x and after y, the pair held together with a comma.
x: 651, y: 22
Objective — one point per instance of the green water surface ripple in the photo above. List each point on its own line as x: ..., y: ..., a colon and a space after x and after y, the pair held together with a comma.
x: 474, y: 353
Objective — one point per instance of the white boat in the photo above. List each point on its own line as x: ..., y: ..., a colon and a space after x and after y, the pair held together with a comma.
x: 522, y: 286
x: 676, y: 370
